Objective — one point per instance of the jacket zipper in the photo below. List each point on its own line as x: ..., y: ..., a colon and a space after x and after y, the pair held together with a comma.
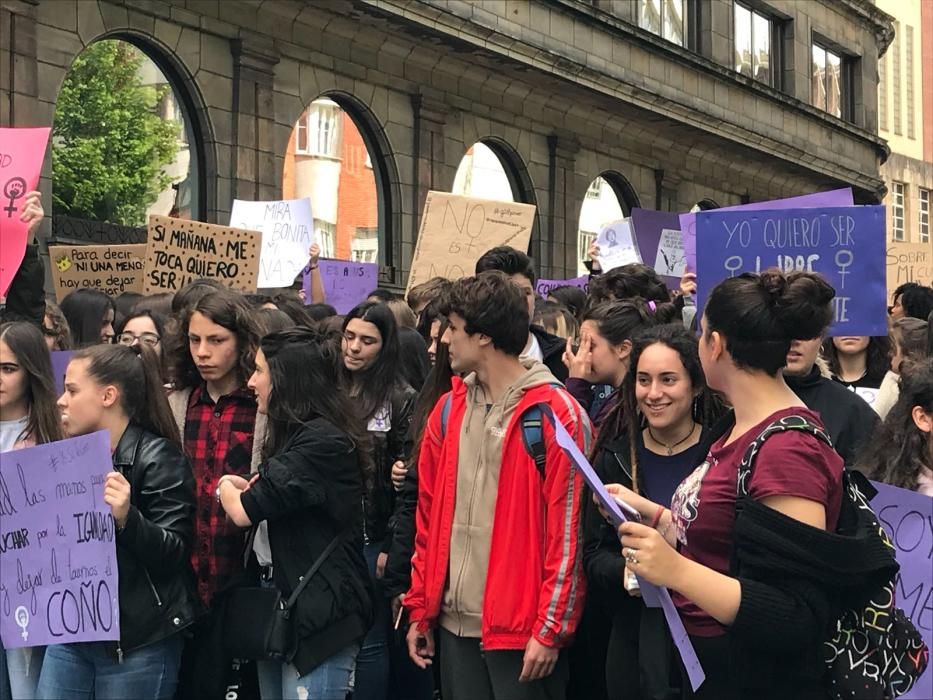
x: 155, y: 593
x: 626, y: 471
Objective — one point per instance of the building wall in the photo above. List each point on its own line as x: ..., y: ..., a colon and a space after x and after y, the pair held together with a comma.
x: 567, y: 89
x: 356, y: 191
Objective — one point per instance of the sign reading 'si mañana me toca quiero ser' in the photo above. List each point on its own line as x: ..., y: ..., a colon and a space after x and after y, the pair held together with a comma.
x: 180, y: 251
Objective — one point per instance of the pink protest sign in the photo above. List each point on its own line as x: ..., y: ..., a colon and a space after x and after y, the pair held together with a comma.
x: 21, y: 154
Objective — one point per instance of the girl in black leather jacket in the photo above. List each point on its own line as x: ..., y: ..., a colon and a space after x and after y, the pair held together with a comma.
x: 151, y: 495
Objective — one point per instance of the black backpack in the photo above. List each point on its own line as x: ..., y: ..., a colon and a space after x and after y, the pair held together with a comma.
x: 875, y: 652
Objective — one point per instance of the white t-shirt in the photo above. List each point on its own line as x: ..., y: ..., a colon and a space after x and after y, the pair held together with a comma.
x: 11, y: 432
x: 532, y: 350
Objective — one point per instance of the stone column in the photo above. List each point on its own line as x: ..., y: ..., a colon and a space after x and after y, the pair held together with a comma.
x: 19, y: 67
x: 430, y: 116
x: 556, y: 252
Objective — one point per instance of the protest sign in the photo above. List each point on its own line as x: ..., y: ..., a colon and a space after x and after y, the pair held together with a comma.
x: 909, y: 262
x: 907, y: 517
x: 660, y: 242
x: 833, y: 198
x: 21, y: 154
x: 180, y: 251
x: 544, y: 287
x: 346, y: 283
x: 455, y: 231
x: 60, y: 360
x: 844, y: 244
x: 617, y: 245
x: 287, y: 229
x: 112, y: 269
x: 58, y: 563
x: 619, y: 512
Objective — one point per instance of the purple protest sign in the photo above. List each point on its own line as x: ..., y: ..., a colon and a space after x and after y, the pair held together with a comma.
x: 844, y: 244
x: 58, y: 564
x: 651, y: 594
x: 661, y: 243
x: 907, y: 517
x: 60, y: 360
x: 346, y: 283
x: 833, y: 198
x: 544, y: 287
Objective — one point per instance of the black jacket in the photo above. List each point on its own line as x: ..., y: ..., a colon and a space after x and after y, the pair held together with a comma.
x: 157, y: 591
x: 311, y: 492
x: 25, y: 300
x: 848, y: 418
x: 552, y: 347
x: 388, y: 447
x: 397, y: 577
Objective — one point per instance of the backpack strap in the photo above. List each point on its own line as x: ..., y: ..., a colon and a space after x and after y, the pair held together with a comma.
x: 445, y: 412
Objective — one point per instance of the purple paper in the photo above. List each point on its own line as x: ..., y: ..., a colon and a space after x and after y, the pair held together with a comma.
x: 651, y: 594
x: 346, y: 283
x: 833, y: 198
x: 58, y: 564
x: 544, y: 287
x: 60, y: 360
x: 844, y: 244
x: 649, y: 226
x: 907, y: 517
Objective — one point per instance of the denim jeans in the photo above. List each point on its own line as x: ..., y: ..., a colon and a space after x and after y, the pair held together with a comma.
x: 372, y: 665
x: 329, y: 681
x: 90, y: 670
x: 19, y: 672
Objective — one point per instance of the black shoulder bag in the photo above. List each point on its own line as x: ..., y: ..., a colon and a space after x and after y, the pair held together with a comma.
x: 258, y: 623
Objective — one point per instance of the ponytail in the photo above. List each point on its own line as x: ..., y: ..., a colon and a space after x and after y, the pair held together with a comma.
x: 134, y: 370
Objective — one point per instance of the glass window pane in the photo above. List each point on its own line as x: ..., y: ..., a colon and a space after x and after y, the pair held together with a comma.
x: 833, y: 84
x: 596, y: 212
x: 649, y: 15
x: 762, y: 48
x: 673, y: 17
x: 743, y: 41
x: 817, y: 83
x: 481, y: 174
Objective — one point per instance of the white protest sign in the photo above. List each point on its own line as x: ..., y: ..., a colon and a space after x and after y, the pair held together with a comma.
x: 671, y: 260
x: 287, y: 229
x: 617, y: 246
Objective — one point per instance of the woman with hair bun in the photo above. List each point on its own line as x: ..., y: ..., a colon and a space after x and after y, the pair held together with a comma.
x: 758, y: 630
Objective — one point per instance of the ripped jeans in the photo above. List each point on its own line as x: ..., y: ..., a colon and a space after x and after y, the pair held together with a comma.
x: 329, y: 681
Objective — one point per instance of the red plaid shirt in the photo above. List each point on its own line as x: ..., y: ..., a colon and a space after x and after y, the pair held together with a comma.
x: 218, y: 441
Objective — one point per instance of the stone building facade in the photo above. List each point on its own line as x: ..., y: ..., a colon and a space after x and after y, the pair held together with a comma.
x: 562, y: 90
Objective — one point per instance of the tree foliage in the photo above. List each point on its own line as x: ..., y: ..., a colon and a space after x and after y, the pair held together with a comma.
x: 110, y: 145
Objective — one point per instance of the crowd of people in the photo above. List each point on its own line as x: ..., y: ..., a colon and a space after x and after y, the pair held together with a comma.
x: 395, y: 471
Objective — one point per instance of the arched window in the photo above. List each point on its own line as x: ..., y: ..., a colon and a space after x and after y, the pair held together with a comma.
x: 331, y: 160
x: 482, y: 174
x: 704, y: 205
x: 608, y: 198
x: 123, y: 141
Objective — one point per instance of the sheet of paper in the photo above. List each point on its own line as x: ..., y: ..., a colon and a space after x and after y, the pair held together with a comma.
x: 617, y: 245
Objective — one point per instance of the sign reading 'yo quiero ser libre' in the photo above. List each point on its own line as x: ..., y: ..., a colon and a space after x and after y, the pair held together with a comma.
x: 180, y: 251
x: 112, y: 269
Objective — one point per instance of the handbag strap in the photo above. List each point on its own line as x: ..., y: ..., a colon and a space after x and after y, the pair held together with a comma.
x: 311, y: 571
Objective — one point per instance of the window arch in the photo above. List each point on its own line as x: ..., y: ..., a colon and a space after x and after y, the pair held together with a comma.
x: 127, y: 142
x: 704, y: 205
x: 609, y: 197
x: 492, y: 169
x: 336, y: 157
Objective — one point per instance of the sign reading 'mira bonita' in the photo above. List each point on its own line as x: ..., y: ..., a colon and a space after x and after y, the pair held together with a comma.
x: 179, y: 251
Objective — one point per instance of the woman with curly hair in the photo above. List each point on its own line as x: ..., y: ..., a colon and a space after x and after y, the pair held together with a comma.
x: 901, y: 452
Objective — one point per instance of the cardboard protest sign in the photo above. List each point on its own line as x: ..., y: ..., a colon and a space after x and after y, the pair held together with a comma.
x: 180, y: 251
x: 660, y: 242
x: 455, y: 231
x: 833, y: 198
x: 287, y: 229
x: 346, y: 283
x: 544, y: 287
x: 58, y: 563
x: 112, y: 269
x: 844, y: 244
x: 21, y: 154
x: 907, y: 517
x: 909, y: 262
x: 60, y: 360
x: 617, y: 245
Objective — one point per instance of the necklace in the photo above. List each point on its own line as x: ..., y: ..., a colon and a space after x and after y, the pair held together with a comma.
x: 670, y: 448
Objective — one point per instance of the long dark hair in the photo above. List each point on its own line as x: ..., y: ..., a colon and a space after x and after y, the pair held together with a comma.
x: 25, y: 341
x: 877, y: 358
x: 84, y: 309
x: 617, y: 321
x: 899, y: 449
x: 135, y: 372
x: 707, y: 407
x: 303, y: 370
x: 225, y: 308
x: 377, y: 382
x: 57, y: 327
x: 438, y: 383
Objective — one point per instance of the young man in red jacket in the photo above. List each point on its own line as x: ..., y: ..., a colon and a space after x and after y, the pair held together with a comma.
x: 497, y: 568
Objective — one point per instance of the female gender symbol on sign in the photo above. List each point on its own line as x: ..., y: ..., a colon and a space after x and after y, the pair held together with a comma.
x: 15, y: 188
